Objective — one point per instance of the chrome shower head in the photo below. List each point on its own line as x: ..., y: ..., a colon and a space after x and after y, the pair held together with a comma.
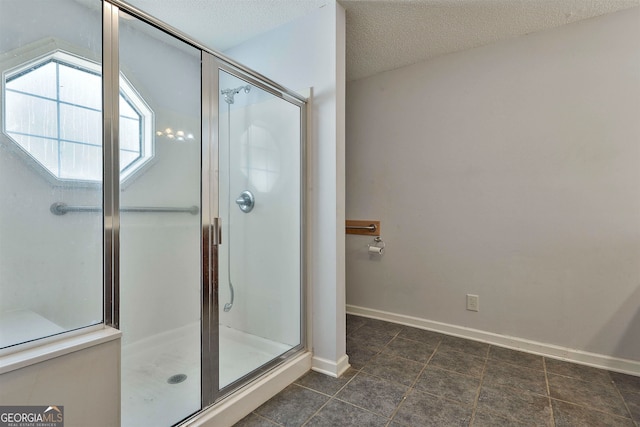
x: 229, y: 94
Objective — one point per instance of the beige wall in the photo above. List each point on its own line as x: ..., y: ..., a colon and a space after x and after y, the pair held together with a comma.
x: 85, y: 382
x: 510, y: 171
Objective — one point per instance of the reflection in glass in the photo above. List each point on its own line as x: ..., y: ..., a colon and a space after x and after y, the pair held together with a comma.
x: 59, y: 98
x: 51, y: 277
x: 259, y: 261
x: 160, y: 261
x: 259, y: 157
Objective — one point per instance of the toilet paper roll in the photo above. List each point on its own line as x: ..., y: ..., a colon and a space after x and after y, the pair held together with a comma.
x: 375, y: 250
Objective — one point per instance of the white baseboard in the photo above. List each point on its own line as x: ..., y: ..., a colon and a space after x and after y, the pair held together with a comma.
x: 601, y: 361
x: 241, y: 403
x: 329, y: 367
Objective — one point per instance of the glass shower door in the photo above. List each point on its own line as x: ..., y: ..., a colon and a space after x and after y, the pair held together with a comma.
x: 260, y: 203
x: 160, y: 274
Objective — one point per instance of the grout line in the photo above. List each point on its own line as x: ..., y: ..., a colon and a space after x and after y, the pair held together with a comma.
x: 439, y: 368
x: 418, y: 340
x: 335, y: 395
x: 518, y: 365
x: 630, y: 415
x: 592, y: 409
x: 412, y: 386
x: 455, y: 350
x: 267, y: 418
x: 406, y: 394
x: 624, y: 401
x: 321, y: 406
x: 345, y: 384
x: 501, y: 386
x: 394, y: 355
x: 477, y: 399
x: 487, y: 358
x: 347, y: 334
x: 546, y: 380
x: 316, y: 412
x: 396, y: 382
x: 314, y: 390
x: 360, y: 407
x: 515, y: 363
x: 331, y: 397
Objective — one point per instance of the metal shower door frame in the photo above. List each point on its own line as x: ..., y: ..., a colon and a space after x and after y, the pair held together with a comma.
x: 211, y: 67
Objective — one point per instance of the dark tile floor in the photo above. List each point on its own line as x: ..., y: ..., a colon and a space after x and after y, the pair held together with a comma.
x: 403, y: 376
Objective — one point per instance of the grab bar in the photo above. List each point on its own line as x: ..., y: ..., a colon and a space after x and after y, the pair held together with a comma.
x: 371, y: 227
x: 59, y: 208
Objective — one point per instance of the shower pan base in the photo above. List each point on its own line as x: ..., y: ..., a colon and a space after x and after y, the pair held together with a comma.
x: 150, y: 399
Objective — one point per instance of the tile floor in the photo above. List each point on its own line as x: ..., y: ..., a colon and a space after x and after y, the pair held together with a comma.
x: 403, y: 376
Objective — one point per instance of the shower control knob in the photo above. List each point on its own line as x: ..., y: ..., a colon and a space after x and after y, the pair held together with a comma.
x: 246, y: 201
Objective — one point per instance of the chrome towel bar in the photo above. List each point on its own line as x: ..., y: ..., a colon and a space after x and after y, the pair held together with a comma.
x: 371, y: 227
x: 59, y: 208
x: 363, y: 227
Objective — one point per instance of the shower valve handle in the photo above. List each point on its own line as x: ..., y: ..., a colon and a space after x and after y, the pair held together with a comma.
x: 246, y: 201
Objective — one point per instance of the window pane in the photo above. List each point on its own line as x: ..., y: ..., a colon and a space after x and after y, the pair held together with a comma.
x: 80, y: 87
x: 82, y: 162
x: 40, y: 81
x: 31, y: 115
x: 80, y: 125
x: 71, y: 112
x: 126, y: 110
x: 130, y: 134
x: 44, y: 151
x: 126, y: 158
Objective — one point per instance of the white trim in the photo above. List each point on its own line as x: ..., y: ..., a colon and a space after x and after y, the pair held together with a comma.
x: 57, y: 348
x: 595, y: 360
x: 147, y: 120
x: 241, y: 403
x: 329, y: 367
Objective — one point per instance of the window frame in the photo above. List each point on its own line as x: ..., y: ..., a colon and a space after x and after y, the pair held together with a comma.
x: 39, y: 53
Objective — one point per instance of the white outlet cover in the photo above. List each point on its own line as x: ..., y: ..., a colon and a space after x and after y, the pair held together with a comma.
x: 473, y: 302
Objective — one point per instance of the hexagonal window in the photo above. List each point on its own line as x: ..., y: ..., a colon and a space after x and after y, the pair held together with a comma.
x: 53, y: 112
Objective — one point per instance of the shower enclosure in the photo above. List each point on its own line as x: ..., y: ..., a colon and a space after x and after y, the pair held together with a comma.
x: 172, y: 183
x: 259, y: 182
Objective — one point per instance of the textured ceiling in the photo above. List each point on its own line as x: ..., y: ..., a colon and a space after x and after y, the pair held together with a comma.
x: 381, y: 34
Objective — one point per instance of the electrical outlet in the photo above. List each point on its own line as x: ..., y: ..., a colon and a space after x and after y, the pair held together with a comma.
x: 473, y: 302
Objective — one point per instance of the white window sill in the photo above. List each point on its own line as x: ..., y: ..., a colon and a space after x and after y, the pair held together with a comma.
x: 65, y: 344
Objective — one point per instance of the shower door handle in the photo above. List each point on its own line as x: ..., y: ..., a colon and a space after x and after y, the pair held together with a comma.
x: 216, y: 232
